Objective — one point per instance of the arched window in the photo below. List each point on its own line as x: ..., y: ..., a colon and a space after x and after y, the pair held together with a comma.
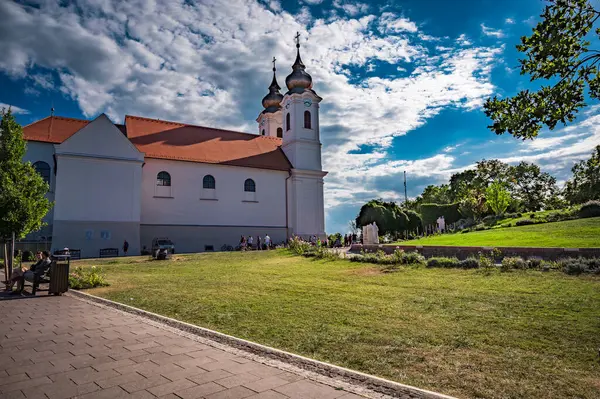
x: 250, y: 186
x: 263, y: 132
x: 208, y: 182
x: 163, y: 179
x: 43, y: 169
x: 279, y: 132
x: 287, y: 122
x: 307, y: 124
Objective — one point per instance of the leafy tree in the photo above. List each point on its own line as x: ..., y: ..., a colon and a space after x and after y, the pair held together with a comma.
x: 22, y: 190
x: 388, y: 216
x: 375, y: 211
x: 497, y: 197
x: 473, y: 206
x: 461, y: 183
x: 436, y: 195
x: 489, y: 171
x: 352, y: 226
x: 557, y: 51
x: 532, y: 187
x: 585, y: 183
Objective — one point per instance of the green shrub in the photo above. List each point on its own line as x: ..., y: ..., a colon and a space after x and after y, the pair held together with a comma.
x: 480, y: 227
x: 534, y: 263
x: 412, y: 258
x: 443, y: 262
x: 524, y: 222
x: 532, y: 216
x: 590, y: 209
x: 576, y: 266
x: 90, y: 277
x: 469, y: 263
x: 399, y: 257
x: 513, y: 262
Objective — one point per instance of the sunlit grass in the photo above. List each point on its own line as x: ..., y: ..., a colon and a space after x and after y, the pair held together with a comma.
x: 578, y: 233
x: 524, y: 334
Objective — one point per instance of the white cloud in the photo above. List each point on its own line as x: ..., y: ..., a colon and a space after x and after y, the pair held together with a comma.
x: 209, y: 63
x: 14, y: 109
x: 531, y: 21
x: 350, y: 7
x: 509, y: 21
x: 275, y: 5
x: 497, y: 33
x: 392, y: 23
x: 463, y: 40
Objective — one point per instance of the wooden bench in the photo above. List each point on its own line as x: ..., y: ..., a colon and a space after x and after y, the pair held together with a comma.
x: 109, y: 253
x: 39, y: 277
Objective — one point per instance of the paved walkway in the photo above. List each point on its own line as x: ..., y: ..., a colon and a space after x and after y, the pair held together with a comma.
x: 63, y: 347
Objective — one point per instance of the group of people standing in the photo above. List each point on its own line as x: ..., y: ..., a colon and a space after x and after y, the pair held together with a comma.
x: 349, y: 239
x: 260, y: 243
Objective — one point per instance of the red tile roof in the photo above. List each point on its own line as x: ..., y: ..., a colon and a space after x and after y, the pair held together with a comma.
x: 53, y: 129
x: 177, y: 141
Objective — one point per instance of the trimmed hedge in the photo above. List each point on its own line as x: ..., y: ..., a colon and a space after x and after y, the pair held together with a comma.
x: 590, y: 209
x: 431, y: 212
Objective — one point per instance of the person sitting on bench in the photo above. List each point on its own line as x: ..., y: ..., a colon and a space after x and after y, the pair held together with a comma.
x: 17, y: 273
x: 39, y: 267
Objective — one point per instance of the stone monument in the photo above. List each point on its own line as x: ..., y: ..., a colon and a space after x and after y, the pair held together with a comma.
x: 370, y: 234
x: 441, y: 224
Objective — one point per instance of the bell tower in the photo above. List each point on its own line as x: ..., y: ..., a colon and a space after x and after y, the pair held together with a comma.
x: 270, y: 120
x: 302, y: 146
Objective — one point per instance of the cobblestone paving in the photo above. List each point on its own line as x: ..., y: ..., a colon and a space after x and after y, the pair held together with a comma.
x: 63, y: 347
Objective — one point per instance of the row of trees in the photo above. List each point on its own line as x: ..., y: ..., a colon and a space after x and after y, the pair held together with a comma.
x: 492, y: 187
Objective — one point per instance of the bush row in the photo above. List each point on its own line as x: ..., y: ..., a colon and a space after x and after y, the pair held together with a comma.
x: 573, y: 266
x: 399, y: 257
x: 303, y: 248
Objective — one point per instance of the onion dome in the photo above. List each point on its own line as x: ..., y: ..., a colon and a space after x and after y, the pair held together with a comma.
x: 298, y: 80
x: 272, y: 101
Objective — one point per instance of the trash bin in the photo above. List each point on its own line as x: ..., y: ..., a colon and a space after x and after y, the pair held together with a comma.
x: 59, y: 275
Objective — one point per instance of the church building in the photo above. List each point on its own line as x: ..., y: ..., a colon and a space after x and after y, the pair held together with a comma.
x: 201, y: 187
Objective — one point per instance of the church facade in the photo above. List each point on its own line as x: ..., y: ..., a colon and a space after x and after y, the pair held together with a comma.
x: 201, y: 187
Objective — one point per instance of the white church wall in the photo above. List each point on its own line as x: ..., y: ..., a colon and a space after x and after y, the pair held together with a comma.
x: 306, y: 203
x: 98, y: 190
x: 39, y: 151
x: 228, y: 205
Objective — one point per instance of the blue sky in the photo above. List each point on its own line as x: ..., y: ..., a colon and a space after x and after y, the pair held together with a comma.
x: 403, y: 82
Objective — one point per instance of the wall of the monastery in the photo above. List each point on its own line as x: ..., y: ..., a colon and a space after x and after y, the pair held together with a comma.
x: 38, y: 151
x: 187, y: 203
x: 92, y: 236
x: 90, y: 189
x: 196, y: 238
x: 306, y: 206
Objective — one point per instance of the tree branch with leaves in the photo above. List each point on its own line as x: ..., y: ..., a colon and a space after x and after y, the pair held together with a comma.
x: 557, y: 53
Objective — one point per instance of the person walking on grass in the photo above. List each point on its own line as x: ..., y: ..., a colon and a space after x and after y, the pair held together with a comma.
x: 250, y: 242
x: 258, y: 243
x: 125, y: 247
x: 267, y: 241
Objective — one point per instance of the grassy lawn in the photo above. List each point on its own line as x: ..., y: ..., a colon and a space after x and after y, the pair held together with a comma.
x: 579, y: 233
x: 460, y: 332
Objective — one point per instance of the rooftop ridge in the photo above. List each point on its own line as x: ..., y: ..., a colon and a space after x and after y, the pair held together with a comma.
x: 59, y: 117
x: 189, y: 124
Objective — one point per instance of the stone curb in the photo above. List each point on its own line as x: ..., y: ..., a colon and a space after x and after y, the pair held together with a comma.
x: 380, y: 385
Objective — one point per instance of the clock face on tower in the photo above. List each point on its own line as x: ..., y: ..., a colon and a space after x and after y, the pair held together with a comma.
x: 287, y: 106
x: 307, y: 103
